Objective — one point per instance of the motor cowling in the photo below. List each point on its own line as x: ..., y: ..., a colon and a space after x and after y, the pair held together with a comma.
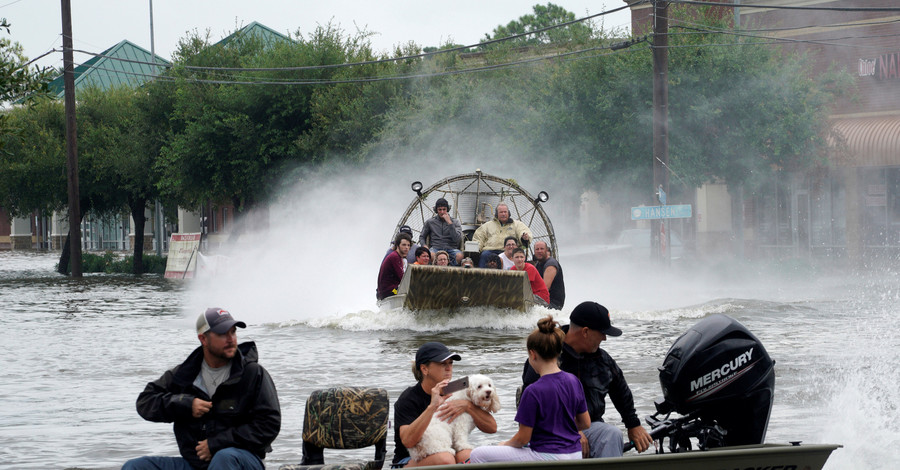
x: 718, y: 372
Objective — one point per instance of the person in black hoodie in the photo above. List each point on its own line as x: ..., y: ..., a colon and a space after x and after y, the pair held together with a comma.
x: 222, y: 401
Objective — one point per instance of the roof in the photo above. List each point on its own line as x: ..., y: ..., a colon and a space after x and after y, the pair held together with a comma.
x: 255, y: 30
x: 871, y: 141
x: 110, y: 69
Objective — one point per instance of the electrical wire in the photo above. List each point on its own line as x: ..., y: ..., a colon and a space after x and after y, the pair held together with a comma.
x: 270, y: 81
x: 784, y: 7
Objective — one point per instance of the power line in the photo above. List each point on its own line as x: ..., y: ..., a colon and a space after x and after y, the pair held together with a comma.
x: 370, y: 62
x: 784, y: 7
x: 269, y: 81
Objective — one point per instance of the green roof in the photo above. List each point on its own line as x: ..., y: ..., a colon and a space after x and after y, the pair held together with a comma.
x: 255, y: 30
x: 110, y: 69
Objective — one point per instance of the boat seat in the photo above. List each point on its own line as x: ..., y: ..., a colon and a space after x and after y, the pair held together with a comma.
x: 344, y: 418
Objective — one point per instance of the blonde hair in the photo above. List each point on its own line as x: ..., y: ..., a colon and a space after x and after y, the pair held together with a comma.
x: 547, y: 339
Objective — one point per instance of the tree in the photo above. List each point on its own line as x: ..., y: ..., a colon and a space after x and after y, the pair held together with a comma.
x: 121, y: 134
x: 18, y: 80
x: 544, y: 16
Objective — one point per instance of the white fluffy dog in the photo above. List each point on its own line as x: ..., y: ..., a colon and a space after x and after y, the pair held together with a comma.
x: 441, y: 436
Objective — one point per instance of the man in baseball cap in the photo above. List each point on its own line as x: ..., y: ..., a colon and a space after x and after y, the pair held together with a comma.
x: 216, y: 320
x: 589, y: 325
x: 417, y: 404
x: 222, y: 401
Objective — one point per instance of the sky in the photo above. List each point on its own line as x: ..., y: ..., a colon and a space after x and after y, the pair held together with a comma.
x: 100, y: 24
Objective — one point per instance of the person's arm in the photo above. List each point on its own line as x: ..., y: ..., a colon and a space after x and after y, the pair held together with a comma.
x: 640, y: 437
x: 457, y: 230
x: 549, y: 274
x: 411, y: 434
x: 156, y: 403
x: 522, y: 437
x: 524, y: 231
x: 481, y: 236
x: 583, y: 420
x: 424, y: 234
x: 263, y: 417
x: 483, y: 420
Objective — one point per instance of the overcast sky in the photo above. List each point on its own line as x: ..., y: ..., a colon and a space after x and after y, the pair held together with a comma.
x: 100, y: 24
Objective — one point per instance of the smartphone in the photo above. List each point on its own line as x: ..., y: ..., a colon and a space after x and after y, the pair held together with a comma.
x: 455, y: 386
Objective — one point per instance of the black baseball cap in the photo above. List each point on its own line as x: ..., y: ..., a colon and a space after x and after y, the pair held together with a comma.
x: 217, y: 320
x: 434, y: 352
x: 405, y: 229
x: 595, y: 317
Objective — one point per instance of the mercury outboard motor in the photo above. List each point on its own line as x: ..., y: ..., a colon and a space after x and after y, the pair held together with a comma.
x: 720, y: 379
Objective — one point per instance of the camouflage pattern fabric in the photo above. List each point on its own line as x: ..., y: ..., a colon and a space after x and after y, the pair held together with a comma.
x: 346, y: 417
x: 439, y: 287
x: 347, y: 466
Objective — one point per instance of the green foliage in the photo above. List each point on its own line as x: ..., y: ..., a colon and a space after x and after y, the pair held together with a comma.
x: 32, y: 165
x: 739, y: 113
x: 544, y: 16
x: 111, y: 263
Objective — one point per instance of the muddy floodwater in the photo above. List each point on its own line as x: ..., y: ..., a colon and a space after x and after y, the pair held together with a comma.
x: 79, y: 351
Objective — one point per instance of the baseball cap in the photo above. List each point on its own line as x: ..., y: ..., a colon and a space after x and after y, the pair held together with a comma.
x: 595, y: 317
x: 405, y: 229
x: 216, y: 320
x: 434, y: 352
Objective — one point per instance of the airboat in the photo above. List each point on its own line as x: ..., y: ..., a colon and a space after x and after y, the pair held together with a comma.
x: 473, y: 198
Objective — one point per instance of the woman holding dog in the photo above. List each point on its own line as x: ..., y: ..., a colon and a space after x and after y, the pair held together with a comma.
x: 551, y: 410
x: 417, y: 404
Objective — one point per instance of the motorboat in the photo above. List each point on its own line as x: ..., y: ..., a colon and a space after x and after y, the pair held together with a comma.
x: 718, y: 384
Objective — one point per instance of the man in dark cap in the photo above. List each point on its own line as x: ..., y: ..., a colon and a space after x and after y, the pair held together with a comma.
x: 417, y: 404
x: 223, y: 403
x: 589, y: 325
x: 443, y: 232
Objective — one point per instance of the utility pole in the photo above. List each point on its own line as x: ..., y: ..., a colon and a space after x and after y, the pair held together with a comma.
x: 71, y: 141
x: 159, y: 226
x: 660, y: 47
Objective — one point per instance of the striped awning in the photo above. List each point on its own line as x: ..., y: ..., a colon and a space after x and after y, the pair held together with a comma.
x: 871, y: 141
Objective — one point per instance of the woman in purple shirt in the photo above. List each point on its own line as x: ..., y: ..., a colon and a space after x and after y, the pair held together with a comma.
x: 551, y: 410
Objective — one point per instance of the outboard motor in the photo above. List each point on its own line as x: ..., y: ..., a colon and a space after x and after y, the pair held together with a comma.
x: 720, y: 378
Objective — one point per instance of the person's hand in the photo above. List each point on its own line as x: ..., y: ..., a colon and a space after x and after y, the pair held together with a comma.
x: 640, y: 437
x: 585, y: 446
x: 436, y: 398
x: 200, y: 407
x: 446, y: 217
x: 451, y: 410
x: 203, y: 450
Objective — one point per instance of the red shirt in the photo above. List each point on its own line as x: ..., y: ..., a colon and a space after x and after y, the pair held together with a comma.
x: 537, y: 282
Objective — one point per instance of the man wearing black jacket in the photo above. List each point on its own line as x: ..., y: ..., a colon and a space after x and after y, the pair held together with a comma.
x: 223, y: 403
x: 589, y: 325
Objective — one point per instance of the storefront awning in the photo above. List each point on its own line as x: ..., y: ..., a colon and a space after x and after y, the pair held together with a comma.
x: 871, y: 141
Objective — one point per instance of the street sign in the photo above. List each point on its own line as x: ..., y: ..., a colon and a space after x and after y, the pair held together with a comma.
x: 681, y: 211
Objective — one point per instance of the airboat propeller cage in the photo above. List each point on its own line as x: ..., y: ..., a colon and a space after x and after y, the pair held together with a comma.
x: 474, y: 198
x: 720, y: 371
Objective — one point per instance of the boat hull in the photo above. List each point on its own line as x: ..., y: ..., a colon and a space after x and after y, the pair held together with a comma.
x: 442, y: 287
x: 765, y: 456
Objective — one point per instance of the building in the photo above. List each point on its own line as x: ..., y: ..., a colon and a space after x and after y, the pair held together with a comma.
x: 851, y: 212
x: 124, y: 64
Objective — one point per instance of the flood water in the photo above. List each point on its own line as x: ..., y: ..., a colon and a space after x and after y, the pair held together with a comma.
x: 79, y: 351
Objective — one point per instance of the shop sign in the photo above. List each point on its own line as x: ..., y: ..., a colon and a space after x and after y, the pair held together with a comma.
x: 883, y: 67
